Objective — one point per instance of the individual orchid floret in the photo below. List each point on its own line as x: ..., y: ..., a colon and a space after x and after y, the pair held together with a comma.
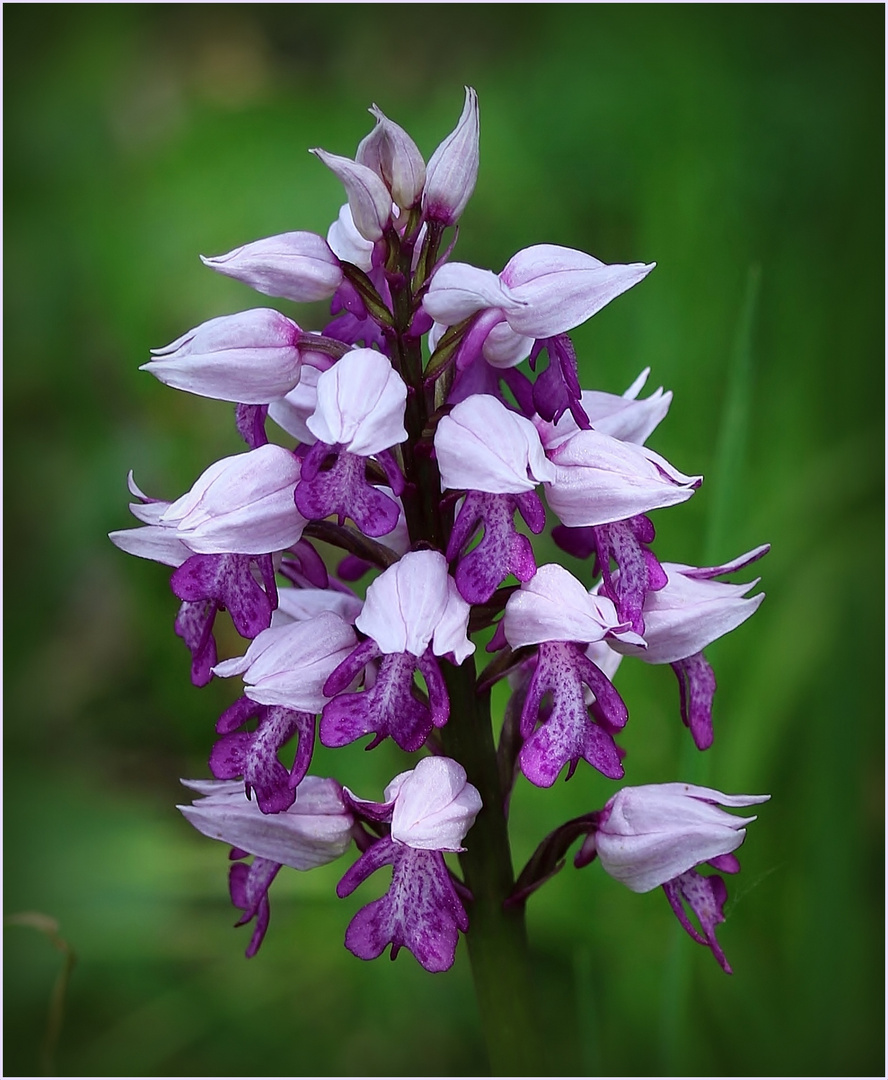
x: 206, y: 584
x: 688, y: 613
x: 599, y: 479
x: 288, y: 665
x: 241, y: 504
x: 430, y: 810
x: 657, y: 834
x: 294, y: 266
x: 648, y: 835
x: 413, y: 614
x: 252, y: 357
x: 314, y: 831
x: 390, y: 152
x: 369, y: 200
x: 554, y: 612
x: 453, y: 168
x: 496, y: 455
x: 543, y: 291
x: 359, y: 414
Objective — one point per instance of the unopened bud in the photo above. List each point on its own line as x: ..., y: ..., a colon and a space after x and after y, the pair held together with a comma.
x: 368, y: 197
x: 453, y: 168
x: 294, y: 266
x: 390, y: 152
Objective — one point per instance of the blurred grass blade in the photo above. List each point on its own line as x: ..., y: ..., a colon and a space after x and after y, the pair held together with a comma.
x: 728, y: 474
x: 49, y: 926
x: 733, y: 434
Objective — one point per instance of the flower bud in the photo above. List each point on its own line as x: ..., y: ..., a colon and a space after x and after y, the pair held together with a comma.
x: 294, y: 266
x: 368, y: 197
x: 390, y: 152
x: 453, y: 168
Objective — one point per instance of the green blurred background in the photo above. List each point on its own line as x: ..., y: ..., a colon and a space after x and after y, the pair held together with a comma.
x: 731, y: 144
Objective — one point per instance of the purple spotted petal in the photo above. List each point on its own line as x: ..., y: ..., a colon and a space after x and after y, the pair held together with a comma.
x: 390, y: 707
x: 706, y: 898
x: 343, y: 490
x: 638, y: 571
x: 249, y: 886
x: 250, y: 422
x: 228, y: 580
x: 253, y: 755
x: 420, y: 912
x: 502, y: 550
x: 696, y: 686
x: 194, y: 624
x: 568, y: 733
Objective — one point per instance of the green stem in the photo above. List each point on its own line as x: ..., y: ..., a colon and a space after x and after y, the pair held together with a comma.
x: 497, y: 937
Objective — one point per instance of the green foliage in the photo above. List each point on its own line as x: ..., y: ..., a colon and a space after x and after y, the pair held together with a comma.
x: 709, y: 138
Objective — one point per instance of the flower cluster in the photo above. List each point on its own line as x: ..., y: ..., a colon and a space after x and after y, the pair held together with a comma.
x: 440, y: 403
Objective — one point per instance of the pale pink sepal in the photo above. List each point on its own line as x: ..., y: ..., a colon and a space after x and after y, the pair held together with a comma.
x: 600, y: 479
x: 458, y: 290
x: 649, y: 835
x: 241, y: 504
x: 299, y: 604
x: 483, y: 446
x: 416, y: 603
x: 688, y: 614
x: 360, y: 405
x: 291, y: 412
x: 152, y: 542
x: 347, y: 243
x: 288, y: 665
x: 554, y: 606
x: 314, y: 831
x: 434, y: 806
x: 562, y: 287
